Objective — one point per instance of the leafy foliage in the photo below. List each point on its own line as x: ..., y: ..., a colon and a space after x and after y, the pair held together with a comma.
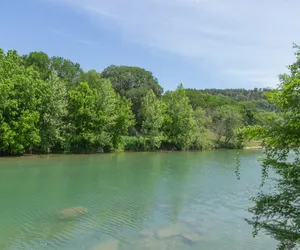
x: 53, y: 113
x: 65, y: 69
x: 49, y: 104
x: 203, y: 122
x: 180, y: 121
x: 239, y: 94
x: 39, y: 112
x: 40, y: 62
x: 87, y: 118
x: 206, y: 100
x: 153, y: 115
x: 224, y: 121
x: 21, y: 95
x: 133, y: 83
x: 277, y: 213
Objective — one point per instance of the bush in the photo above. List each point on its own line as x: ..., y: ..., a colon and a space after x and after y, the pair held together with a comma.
x: 132, y: 143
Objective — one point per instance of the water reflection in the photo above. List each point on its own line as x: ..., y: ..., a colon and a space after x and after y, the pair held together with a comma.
x: 186, y: 200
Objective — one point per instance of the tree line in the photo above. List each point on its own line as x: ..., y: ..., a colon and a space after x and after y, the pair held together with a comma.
x: 240, y: 94
x: 50, y: 104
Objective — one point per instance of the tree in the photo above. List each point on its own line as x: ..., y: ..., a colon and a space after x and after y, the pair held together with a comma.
x: 248, y: 115
x: 278, y: 213
x: 125, y: 78
x: 88, y: 120
x: 123, y: 121
x: 132, y: 83
x: 265, y: 118
x: 21, y: 94
x: 40, y: 61
x: 203, y: 122
x: 53, y: 113
x: 117, y: 109
x: 213, y: 98
x: 66, y: 70
x: 180, y: 122
x: 207, y: 101
x: 153, y: 116
x: 99, y: 116
x: 225, y: 120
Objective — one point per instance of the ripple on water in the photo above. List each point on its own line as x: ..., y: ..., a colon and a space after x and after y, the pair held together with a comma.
x: 175, y: 201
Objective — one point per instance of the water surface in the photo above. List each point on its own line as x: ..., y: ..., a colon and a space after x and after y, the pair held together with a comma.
x: 189, y: 200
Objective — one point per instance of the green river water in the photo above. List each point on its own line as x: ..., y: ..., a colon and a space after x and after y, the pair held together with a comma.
x: 189, y: 200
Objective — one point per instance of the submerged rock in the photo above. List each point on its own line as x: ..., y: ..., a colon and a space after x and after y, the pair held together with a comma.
x: 147, y: 234
x: 73, y: 212
x: 150, y: 245
x: 167, y: 232
x: 191, y: 238
x: 189, y: 221
x: 108, y: 245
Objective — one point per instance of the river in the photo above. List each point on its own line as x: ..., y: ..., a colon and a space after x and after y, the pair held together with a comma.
x: 127, y: 201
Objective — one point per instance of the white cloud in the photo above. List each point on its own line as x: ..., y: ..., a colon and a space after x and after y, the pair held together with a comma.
x: 240, y: 38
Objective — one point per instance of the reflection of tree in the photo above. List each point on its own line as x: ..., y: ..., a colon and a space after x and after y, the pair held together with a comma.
x: 176, y: 168
x: 117, y: 190
x: 121, y: 192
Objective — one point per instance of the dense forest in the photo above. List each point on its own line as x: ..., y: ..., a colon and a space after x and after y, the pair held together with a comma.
x: 50, y: 104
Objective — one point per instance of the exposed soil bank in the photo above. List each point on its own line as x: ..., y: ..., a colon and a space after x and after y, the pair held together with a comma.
x: 254, y: 147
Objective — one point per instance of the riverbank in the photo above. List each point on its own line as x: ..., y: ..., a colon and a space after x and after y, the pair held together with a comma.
x: 57, y: 154
x: 140, y: 144
x: 254, y: 147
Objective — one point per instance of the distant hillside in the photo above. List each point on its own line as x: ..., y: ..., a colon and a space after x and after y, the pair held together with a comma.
x: 211, y: 98
x: 239, y: 94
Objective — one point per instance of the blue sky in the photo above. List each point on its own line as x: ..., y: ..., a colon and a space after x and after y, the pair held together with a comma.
x: 201, y: 43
